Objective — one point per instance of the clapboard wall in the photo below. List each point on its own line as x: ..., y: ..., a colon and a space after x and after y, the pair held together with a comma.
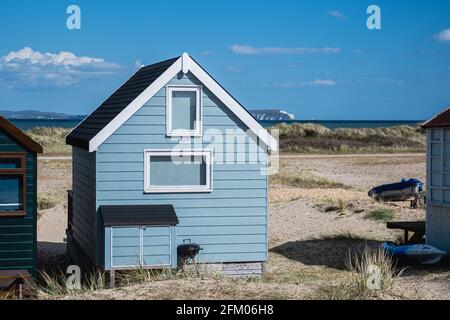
x: 438, y: 227
x: 83, y: 205
x: 229, y: 223
x: 438, y: 188
x: 18, y: 235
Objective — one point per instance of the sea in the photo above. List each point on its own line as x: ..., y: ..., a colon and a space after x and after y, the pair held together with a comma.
x: 331, y: 124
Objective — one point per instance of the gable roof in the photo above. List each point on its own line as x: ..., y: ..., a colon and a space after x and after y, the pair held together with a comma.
x: 19, y: 135
x: 140, y: 88
x: 116, y: 103
x: 439, y: 121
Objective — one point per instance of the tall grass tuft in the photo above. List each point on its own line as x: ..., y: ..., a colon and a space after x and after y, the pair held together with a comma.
x: 46, y: 201
x: 372, y: 274
x: 372, y: 264
x: 143, y: 274
x: 55, y: 283
x: 381, y: 215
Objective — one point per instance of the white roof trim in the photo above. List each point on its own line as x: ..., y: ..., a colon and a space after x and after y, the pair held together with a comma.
x: 134, y: 106
x: 184, y: 64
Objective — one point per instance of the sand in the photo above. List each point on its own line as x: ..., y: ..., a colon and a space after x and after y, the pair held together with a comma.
x: 307, y: 247
x: 54, y: 178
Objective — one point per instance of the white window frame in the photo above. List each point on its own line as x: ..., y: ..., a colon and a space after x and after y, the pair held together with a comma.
x: 197, y: 132
x: 208, y: 158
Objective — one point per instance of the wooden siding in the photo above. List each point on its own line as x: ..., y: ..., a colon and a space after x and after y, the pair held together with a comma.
x: 18, y: 236
x: 438, y: 227
x: 230, y: 223
x: 84, y: 209
x: 130, y: 247
x: 437, y: 213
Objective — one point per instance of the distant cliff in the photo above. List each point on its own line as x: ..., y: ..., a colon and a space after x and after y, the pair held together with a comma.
x: 271, y: 115
x: 33, y: 114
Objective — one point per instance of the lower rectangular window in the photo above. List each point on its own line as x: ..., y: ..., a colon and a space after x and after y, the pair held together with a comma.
x: 11, y: 193
x: 178, y: 171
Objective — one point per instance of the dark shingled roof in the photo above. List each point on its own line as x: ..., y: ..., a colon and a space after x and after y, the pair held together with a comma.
x: 18, y: 135
x: 139, y: 215
x: 117, y: 102
x: 439, y: 121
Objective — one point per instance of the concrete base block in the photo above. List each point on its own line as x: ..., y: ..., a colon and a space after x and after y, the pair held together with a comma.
x: 241, y: 269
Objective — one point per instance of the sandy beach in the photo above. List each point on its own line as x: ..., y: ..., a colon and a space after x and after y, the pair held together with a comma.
x: 309, y: 243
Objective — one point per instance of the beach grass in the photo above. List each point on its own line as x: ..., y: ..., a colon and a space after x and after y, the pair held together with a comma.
x: 305, y: 181
x: 371, y: 275
x: 294, y: 138
x: 315, y: 138
x: 47, y: 200
x: 51, y: 139
x: 381, y: 215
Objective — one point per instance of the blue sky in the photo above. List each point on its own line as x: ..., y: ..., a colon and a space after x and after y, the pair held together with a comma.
x: 316, y: 59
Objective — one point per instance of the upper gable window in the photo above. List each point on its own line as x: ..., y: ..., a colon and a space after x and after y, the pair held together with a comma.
x: 184, y: 111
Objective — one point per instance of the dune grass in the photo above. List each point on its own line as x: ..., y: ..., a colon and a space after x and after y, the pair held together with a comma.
x: 51, y: 139
x: 342, y: 236
x: 55, y: 283
x: 371, y: 275
x: 305, y: 181
x: 296, y: 138
x: 381, y: 215
x: 48, y: 200
x: 314, y: 138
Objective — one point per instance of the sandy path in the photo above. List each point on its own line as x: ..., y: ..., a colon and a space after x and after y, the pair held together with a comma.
x: 54, y: 158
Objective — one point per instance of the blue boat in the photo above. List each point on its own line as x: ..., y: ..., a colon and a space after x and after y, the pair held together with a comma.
x: 418, y: 253
x: 400, y: 191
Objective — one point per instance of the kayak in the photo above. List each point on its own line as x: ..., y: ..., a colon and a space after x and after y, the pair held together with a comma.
x: 419, y: 253
x: 400, y: 191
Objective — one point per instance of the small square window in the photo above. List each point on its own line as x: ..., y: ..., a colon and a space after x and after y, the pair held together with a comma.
x: 183, y: 111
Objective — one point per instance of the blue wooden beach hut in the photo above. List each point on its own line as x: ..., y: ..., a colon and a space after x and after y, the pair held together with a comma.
x: 18, y: 199
x: 170, y: 158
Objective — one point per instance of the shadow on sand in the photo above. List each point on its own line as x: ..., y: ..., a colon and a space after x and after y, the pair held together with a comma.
x: 331, y: 252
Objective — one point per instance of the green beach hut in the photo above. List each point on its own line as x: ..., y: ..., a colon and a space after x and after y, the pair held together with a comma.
x: 18, y: 199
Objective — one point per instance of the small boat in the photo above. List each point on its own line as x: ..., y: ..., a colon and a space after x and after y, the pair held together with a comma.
x: 400, y: 191
x: 418, y: 253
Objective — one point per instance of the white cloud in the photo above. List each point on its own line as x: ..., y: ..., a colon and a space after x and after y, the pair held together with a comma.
x: 336, y: 14
x: 320, y: 82
x: 250, y: 50
x: 233, y: 69
x: 311, y: 83
x: 34, y: 68
x: 208, y: 53
x: 443, y: 36
x: 138, y: 63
